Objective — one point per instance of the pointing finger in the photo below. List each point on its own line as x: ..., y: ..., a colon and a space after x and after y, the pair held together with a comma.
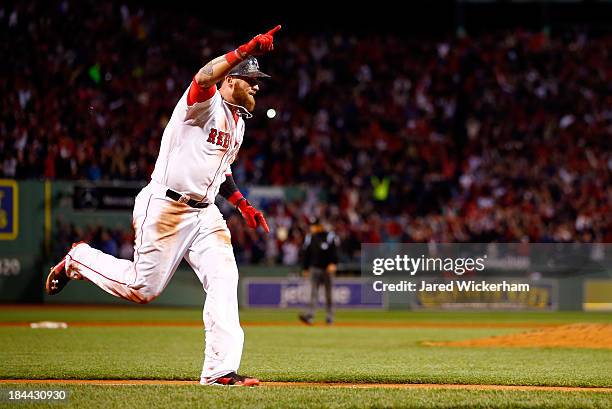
x: 274, y: 30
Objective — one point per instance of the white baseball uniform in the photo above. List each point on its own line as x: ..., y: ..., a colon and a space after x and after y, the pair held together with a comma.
x: 198, y: 146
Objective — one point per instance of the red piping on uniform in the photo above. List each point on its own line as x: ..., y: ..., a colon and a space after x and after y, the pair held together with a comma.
x: 222, y: 158
x: 141, y: 237
x: 216, y: 171
x: 97, y: 272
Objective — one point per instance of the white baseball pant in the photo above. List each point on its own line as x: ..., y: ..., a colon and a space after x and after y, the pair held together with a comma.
x: 167, y: 231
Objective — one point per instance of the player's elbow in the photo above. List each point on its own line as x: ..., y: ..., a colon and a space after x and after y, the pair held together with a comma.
x: 203, y: 80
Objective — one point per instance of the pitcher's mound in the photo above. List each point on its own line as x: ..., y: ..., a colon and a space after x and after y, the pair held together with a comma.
x: 565, y: 336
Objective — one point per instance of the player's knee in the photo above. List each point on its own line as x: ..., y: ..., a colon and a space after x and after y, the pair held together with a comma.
x: 146, y: 294
x: 145, y: 299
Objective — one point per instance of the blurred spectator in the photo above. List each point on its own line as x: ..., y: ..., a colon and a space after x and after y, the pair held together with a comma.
x: 117, y: 242
x: 501, y: 137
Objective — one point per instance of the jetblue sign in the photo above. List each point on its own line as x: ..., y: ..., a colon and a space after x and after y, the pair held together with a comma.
x: 289, y: 293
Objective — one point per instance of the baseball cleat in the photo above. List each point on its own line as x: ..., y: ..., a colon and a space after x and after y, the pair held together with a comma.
x: 58, y: 278
x: 306, y: 319
x: 233, y: 379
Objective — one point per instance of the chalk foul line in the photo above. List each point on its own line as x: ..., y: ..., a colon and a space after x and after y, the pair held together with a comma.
x: 135, y: 382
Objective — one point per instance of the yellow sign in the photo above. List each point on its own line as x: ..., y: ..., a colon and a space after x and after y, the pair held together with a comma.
x: 597, y: 295
x: 9, y: 209
x: 539, y: 296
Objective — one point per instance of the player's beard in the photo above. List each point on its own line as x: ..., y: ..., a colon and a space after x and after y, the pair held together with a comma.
x: 243, y: 98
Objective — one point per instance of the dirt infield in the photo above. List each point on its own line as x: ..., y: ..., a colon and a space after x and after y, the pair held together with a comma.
x: 564, y: 336
x: 133, y: 382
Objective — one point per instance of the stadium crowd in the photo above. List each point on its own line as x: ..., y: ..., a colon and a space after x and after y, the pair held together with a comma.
x: 503, y: 136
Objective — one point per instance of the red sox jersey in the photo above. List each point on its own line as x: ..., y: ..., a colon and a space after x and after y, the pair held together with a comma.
x: 198, y: 146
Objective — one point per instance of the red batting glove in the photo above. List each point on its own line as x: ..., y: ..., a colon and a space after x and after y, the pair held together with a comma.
x: 252, y: 216
x: 260, y: 44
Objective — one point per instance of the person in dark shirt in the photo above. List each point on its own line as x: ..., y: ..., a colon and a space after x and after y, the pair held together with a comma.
x: 320, y: 258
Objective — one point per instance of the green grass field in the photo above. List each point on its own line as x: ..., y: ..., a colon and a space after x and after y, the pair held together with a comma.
x: 357, y: 354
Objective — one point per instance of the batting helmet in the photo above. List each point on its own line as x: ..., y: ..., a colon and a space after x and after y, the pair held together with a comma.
x: 248, y: 68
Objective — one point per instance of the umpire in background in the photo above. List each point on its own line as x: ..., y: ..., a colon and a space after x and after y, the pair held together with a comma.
x: 320, y: 257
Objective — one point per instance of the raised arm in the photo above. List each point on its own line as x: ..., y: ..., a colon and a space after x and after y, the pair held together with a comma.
x: 215, y: 70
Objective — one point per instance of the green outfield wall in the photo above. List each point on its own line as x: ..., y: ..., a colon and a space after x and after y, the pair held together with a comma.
x: 31, y: 211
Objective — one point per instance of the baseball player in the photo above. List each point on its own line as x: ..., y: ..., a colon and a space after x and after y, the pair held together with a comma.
x: 175, y: 216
